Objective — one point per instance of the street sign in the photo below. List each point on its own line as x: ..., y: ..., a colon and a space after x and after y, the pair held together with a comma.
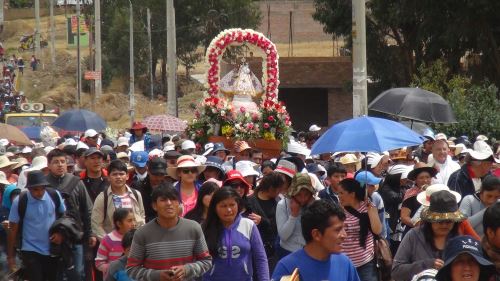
x: 92, y: 75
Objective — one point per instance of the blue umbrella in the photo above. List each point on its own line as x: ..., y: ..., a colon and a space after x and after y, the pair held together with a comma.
x: 79, y: 120
x: 366, y: 134
x: 33, y: 133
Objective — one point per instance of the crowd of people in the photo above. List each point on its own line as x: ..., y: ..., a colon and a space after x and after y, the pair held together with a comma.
x: 10, y: 97
x: 147, y: 208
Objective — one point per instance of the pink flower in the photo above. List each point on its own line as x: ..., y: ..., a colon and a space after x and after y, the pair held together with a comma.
x: 270, y: 118
x: 242, y: 109
x: 266, y: 126
x: 250, y: 126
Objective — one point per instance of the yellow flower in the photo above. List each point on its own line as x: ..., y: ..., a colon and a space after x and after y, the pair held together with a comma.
x: 269, y: 136
x: 227, y: 130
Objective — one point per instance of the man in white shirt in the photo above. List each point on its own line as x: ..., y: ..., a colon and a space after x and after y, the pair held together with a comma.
x: 441, y: 160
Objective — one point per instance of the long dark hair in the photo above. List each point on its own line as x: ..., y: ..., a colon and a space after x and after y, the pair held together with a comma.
x: 429, y: 234
x: 196, y: 213
x: 212, y: 227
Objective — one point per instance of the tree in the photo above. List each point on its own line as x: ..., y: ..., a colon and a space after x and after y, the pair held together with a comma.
x: 475, y: 105
x: 404, y: 34
x: 195, y: 26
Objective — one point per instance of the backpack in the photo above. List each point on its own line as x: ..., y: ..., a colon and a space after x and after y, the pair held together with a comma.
x: 23, y: 205
x: 106, y: 201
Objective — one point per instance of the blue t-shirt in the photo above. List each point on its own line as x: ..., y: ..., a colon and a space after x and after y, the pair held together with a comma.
x: 38, y: 218
x: 338, y: 268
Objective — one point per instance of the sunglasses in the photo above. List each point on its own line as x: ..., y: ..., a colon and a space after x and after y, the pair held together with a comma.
x: 188, y: 171
x: 237, y: 185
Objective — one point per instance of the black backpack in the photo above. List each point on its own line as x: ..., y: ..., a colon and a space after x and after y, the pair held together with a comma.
x: 23, y: 205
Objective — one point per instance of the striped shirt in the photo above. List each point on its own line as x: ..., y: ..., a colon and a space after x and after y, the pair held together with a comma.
x: 155, y: 248
x: 109, y: 250
x: 358, y: 255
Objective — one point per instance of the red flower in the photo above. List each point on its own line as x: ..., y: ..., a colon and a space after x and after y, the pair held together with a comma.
x: 270, y: 118
x: 266, y: 125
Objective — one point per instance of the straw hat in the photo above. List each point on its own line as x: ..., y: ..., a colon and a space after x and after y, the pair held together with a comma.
x: 349, y: 159
x: 424, y: 197
x: 185, y: 161
x: 5, y: 161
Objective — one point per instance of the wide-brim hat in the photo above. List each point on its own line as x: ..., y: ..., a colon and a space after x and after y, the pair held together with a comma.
x: 35, y: 179
x: 424, y: 197
x: 138, y: 126
x: 483, y: 152
x: 215, y: 162
x: 247, y: 168
x: 219, y: 146
x: 349, y: 158
x: 5, y: 161
x: 443, y: 207
x: 38, y: 163
x: 465, y: 245
x: 185, y: 161
x: 286, y: 167
x: 415, y: 172
x: 21, y: 161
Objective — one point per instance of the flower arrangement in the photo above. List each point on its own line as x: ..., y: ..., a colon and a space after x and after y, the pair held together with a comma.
x: 271, y: 122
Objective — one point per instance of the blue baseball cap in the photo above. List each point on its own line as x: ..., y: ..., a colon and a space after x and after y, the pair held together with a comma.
x: 465, y: 245
x: 366, y: 177
x: 139, y: 158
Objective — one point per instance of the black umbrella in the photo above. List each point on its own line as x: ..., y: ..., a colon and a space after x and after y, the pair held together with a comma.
x: 415, y: 104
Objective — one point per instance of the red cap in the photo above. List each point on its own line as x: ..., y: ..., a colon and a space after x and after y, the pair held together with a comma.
x: 234, y: 175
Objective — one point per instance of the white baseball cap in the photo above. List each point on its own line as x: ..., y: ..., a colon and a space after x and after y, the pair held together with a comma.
x: 122, y: 141
x: 314, y: 128
x: 373, y: 159
x: 90, y: 133
x: 188, y: 144
x: 481, y: 138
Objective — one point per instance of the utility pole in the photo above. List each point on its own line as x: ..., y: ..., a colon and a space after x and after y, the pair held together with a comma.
x: 78, y: 61
x: 151, y: 85
x: 1, y: 16
x: 52, y: 35
x: 131, y: 87
x: 97, y: 40
x: 37, y: 29
x: 359, y: 77
x: 171, y: 60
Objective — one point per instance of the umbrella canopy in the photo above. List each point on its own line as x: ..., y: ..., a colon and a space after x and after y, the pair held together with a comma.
x: 418, y: 127
x: 13, y: 134
x: 415, y: 104
x: 365, y: 134
x: 164, y: 123
x: 33, y: 133
x: 79, y: 120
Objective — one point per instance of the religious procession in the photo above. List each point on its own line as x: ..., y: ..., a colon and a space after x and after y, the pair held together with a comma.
x: 250, y: 187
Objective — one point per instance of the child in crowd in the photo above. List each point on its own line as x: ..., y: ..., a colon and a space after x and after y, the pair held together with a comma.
x: 111, y: 248
x: 116, y: 270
